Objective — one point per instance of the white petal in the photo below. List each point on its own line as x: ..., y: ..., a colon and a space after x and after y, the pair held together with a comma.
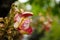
x: 16, y: 25
x: 22, y: 1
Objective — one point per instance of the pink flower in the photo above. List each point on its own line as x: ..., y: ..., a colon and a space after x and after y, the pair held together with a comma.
x: 17, y: 17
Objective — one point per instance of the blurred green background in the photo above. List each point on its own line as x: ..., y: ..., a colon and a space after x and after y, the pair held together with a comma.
x: 52, y: 7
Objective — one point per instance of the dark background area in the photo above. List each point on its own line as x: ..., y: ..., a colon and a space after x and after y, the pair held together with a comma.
x: 5, y: 6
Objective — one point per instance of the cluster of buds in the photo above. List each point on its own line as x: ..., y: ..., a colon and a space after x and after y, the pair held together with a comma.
x: 2, y: 27
x: 14, y: 9
x: 2, y: 23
